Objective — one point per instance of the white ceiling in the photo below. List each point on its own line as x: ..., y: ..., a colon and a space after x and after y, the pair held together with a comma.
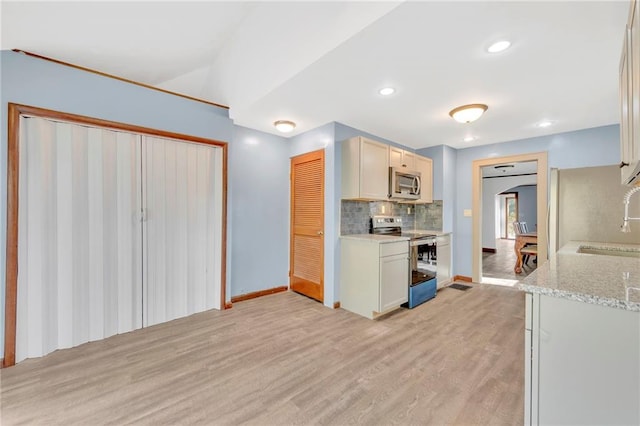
x: 317, y: 62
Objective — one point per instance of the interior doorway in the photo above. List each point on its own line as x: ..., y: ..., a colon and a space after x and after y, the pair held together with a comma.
x: 479, y: 197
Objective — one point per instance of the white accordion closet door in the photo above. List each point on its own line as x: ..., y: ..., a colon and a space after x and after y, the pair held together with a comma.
x: 182, y: 195
x: 79, y: 236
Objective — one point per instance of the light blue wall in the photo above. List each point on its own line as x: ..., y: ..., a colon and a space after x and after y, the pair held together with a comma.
x: 449, y: 201
x: 599, y: 146
x: 527, y: 205
x: 444, y: 185
x: 260, y: 231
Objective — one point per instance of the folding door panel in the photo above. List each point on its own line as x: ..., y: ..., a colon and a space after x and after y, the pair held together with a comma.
x: 79, y: 236
x: 182, y: 195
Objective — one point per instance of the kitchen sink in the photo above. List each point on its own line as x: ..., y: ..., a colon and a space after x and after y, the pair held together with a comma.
x: 609, y: 251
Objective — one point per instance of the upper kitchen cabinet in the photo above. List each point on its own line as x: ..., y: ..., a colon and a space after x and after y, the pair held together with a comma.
x: 401, y: 158
x: 630, y: 99
x: 424, y: 165
x: 365, y: 169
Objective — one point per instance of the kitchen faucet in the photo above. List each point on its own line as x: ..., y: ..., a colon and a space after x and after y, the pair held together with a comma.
x: 627, y: 197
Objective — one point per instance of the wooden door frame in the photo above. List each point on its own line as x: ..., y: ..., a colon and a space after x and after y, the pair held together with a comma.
x: 541, y: 213
x: 291, y: 211
x: 15, y: 111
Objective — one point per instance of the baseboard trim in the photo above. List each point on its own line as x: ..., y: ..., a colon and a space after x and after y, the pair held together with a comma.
x: 336, y: 305
x: 228, y: 305
x: 462, y: 278
x: 488, y: 250
x: 253, y: 295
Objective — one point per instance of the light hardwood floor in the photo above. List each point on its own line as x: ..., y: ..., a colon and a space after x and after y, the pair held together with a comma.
x: 285, y: 359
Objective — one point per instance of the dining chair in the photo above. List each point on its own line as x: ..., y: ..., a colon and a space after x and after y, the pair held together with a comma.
x: 529, y: 249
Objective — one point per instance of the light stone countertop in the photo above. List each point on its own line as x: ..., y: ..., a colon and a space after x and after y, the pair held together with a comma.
x: 605, y: 280
x: 375, y: 238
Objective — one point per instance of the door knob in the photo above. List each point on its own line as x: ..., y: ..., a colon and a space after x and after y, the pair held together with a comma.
x: 320, y: 233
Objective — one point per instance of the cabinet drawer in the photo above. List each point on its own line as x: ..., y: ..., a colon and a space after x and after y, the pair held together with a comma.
x: 390, y: 249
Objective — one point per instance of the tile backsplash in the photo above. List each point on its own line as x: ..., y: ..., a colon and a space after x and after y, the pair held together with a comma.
x: 355, y: 215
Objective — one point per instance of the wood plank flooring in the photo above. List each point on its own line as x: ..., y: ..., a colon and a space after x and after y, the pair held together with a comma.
x: 285, y: 359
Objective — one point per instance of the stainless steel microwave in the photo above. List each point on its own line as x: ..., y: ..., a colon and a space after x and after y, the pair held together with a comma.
x: 404, y: 184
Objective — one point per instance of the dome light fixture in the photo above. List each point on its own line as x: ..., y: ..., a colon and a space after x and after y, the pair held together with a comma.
x: 468, y: 113
x: 499, y: 46
x: 469, y: 138
x: 386, y: 91
x: 545, y: 123
x: 285, y: 126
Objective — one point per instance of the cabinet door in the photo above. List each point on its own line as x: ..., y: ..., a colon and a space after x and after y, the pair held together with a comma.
x: 625, y: 110
x: 443, y: 253
x: 409, y: 160
x: 425, y: 166
x: 395, y: 157
x: 394, y: 281
x: 587, y: 363
x: 401, y: 158
x: 374, y: 170
x: 634, y: 90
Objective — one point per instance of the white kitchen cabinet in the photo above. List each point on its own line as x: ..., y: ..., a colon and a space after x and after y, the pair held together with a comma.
x: 374, y: 275
x: 402, y: 159
x: 425, y: 166
x: 582, y: 363
x: 365, y: 169
x: 443, y: 254
x: 630, y: 99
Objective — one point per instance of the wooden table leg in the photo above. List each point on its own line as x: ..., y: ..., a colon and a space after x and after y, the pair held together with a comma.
x: 518, y: 245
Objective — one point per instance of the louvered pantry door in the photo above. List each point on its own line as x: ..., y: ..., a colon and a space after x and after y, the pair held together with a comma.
x: 307, y: 222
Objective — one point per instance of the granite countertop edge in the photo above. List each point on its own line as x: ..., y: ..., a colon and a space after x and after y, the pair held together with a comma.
x: 563, y: 270
x: 581, y: 297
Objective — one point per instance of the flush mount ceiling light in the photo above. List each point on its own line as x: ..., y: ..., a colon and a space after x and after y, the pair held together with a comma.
x: 499, y: 46
x: 386, y: 91
x: 469, y: 139
x: 544, y: 123
x: 468, y: 113
x: 285, y: 126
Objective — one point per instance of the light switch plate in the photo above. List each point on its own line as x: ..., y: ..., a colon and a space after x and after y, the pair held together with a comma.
x: 466, y: 213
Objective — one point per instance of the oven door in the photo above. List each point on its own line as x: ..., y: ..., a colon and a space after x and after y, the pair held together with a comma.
x: 423, y: 259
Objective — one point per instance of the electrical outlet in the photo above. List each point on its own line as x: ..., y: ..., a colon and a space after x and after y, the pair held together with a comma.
x: 467, y: 213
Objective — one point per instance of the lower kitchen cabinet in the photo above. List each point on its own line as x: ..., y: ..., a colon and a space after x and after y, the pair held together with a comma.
x: 443, y: 254
x: 582, y: 363
x: 374, y: 275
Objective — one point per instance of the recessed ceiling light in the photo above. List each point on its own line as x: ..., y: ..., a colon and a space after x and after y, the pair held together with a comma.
x: 285, y: 126
x: 499, y: 46
x: 386, y: 91
x: 469, y: 139
x: 468, y: 113
x: 544, y: 123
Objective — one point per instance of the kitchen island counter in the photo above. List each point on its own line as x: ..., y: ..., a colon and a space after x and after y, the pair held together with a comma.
x: 606, y: 280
